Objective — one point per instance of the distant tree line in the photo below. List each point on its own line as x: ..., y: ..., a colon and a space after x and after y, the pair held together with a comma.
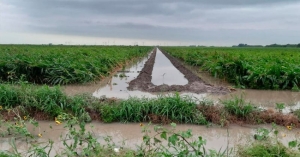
x: 272, y: 45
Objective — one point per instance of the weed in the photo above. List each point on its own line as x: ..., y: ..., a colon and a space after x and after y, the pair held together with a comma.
x: 297, y: 113
x: 280, y: 106
x: 238, y: 107
x: 122, y: 75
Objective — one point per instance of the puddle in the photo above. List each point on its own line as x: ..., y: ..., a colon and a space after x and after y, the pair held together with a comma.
x: 117, y: 85
x: 129, y: 135
x: 164, y: 72
x: 113, y: 86
x: 265, y: 98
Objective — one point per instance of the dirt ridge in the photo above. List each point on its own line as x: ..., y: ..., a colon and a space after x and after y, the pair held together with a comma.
x: 195, y: 84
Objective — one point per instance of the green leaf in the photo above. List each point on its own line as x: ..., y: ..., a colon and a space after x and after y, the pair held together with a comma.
x: 293, y: 144
x: 173, y: 125
x: 164, y: 135
x: 276, y: 132
x: 173, y: 139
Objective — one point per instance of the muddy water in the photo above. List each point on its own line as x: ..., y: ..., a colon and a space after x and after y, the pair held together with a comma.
x: 164, y: 72
x: 130, y: 135
x: 265, y: 98
x: 117, y: 85
x: 113, y: 86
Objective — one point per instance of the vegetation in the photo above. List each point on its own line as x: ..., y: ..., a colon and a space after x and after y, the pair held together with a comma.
x: 63, y: 64
x: 164, y: 109
x: 257, y: 68
x: 77, y: 141
x: 238, y: 107
x: 45, y: 103
x: 24, y: 104
x: 268, y: 145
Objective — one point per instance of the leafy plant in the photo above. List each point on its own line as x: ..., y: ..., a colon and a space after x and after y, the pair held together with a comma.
x: 280, y: 106
x: 63, y: 64
x: 257, y: 68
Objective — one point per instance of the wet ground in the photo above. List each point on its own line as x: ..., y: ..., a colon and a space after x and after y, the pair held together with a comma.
x: 129, y: 135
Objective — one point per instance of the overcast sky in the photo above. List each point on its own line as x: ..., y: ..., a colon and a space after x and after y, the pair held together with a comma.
x: 150, y: 22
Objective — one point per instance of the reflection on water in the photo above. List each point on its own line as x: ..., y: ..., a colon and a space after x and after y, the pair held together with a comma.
x: 117, y: 85
x: 131, y: 135
x: 164, y: 72
x: 265, y: 98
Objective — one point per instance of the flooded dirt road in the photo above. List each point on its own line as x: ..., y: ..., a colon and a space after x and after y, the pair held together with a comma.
x: 130, y: 135
x: 164, y: 72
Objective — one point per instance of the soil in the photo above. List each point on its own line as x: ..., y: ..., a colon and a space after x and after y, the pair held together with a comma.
x: 195, y: 84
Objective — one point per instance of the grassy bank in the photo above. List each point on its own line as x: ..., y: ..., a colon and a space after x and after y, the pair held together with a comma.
x: 256, y: 68
x: 63, y: 64
x: 23, y: 104
x: 44, y: 102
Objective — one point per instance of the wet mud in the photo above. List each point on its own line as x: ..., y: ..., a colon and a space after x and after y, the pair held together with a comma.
x: 195, y: 84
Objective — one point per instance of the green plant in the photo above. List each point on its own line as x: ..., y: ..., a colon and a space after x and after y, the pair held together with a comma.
x: 261, y: 134
x: 178, y: 143
x: 267, y: 146
x: 297, y: 113
x: 8, y: 96
x: 280, y: 106
x: 258, y: 68
x: 109, y: 113
x: 122, y: 75
x: 63, y: 64
x: 238, y: 107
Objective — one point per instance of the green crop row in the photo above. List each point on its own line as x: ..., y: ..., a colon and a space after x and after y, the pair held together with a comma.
x: 63, y: 64
x: 257, y: 68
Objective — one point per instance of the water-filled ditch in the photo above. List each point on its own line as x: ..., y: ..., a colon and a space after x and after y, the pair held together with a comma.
x: 130, y: 135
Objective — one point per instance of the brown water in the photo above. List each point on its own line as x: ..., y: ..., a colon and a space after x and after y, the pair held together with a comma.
x: 265, y: 98
x: 114, y: 85
x: 164, y: 72
x: 129, y: 135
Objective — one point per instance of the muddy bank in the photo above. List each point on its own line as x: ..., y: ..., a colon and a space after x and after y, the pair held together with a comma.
x: 195, y: 84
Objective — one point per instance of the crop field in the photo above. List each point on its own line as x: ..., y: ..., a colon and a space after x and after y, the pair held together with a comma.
x: 25, y: 105
x: 256, y: 68
x: 63, y: 64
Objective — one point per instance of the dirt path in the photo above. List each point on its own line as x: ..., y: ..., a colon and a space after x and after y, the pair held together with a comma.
x: 195, y: 84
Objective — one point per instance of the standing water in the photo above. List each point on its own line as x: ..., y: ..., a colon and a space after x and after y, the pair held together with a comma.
x: 117, y: 85
x: 164, y: 72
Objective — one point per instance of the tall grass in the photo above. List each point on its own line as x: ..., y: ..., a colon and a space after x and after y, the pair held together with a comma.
x: 172, y: 107
x: 49, y: 100
x: 238, y: 106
